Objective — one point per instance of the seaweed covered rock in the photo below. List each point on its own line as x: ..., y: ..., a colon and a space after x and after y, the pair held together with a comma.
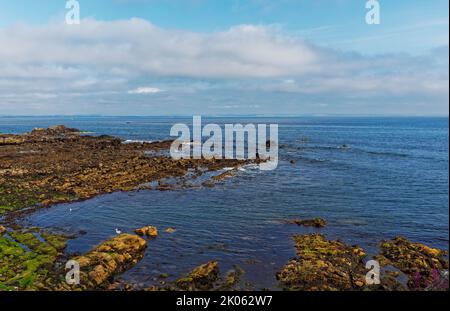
x: 109, y: 259
x: 27, y: 259
x: 232, y: 278
x: 59, y: 165
x: 148, y: 231
x: 316, y: 222
x: 423, y: 265
x: 201, y: 278
x: 323, y: 265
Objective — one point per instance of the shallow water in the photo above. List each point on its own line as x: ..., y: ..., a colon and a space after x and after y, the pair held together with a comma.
x: 392, y: 179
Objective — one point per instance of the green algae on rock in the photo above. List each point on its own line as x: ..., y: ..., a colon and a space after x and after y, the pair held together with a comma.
x: 26, y: 262
x: 423, y: 265
x: 323, y: 265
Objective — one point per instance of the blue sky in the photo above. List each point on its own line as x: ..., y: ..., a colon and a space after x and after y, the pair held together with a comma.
x: 224, y: 57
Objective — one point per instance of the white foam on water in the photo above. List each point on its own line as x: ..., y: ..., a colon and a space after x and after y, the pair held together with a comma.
x: 131, y: 141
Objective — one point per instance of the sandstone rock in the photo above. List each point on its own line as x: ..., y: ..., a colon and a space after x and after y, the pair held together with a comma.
x: 149, y: 231
x: 110, y: 258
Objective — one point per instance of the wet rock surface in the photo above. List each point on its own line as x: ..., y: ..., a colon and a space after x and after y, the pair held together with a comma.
x: 331, y: 265
x: 424, y: 266
x: 323, y: 265
x: 206, y: 277
x: 201, y: 278
x: 28, y: 258
x: 109, y: 259
x: 59, y: 164
x: 316, y: 222
x: 170, y: 230
x: 149, y: 231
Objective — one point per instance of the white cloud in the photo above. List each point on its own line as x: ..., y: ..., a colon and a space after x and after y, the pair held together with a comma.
x: 145, y: 90
x: 242, y: 51
x: 101, y: 62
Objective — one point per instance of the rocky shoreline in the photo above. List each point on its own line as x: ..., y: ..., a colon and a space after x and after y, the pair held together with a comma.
x: 61, y: 165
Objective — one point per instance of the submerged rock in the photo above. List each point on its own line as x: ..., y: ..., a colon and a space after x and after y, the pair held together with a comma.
x: 148, y: 231
x: 109, y: 259
x: 323, y: 265
x: 170, y: 230
x: 423, y: 265
x: 233, y: 278
x: 316, y: 222
x: 201, y: 278
x: 224, y: 175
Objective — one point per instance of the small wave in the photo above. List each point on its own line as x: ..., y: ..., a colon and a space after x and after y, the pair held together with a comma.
x: 342, y: 147
x: 226, y: 169
x: 132, y: 141
x: 392, y: 154
x: 251, y: 166
x: 349, y: 148
x: 313, y: 160
x: 191, y: 144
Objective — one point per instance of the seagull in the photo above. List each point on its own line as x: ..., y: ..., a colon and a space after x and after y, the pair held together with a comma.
x: 118, y: 231
x: 70, y: 209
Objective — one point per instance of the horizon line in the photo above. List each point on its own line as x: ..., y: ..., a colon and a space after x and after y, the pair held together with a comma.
x: 231, y: 115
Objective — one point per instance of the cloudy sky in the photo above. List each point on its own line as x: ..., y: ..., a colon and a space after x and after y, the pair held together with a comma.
x: 228, y: 57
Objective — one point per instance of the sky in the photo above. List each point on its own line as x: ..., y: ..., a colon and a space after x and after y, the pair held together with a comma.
x: 224, y: 57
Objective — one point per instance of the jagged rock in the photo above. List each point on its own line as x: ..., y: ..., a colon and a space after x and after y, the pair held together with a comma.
x: 201, y: 278
x: 110, y: 258
x: 149, y: 231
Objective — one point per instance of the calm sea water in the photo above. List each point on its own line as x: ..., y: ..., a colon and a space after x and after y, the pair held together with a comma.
x: 392, y: 180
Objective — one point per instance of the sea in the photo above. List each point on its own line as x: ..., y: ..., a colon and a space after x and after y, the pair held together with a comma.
x: 371, y: 178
